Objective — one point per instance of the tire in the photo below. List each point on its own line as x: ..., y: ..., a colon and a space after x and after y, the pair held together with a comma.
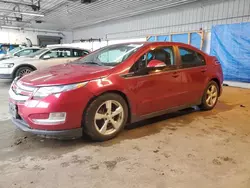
x: 21, y: 71
x: 212, y: 93
x: 99, y: 121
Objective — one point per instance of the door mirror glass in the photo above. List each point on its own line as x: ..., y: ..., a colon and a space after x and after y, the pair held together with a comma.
x: 156, y: 63
x: 46, y: 57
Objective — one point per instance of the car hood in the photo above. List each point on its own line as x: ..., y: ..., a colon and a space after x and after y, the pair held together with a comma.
x: 19, y: 60
x: 3, y: 56
x: 65, y: 74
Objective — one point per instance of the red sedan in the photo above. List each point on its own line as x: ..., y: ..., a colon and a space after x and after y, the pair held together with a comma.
x: 113, y: 86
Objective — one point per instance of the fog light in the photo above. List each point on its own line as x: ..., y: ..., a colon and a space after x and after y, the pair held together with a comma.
x: 54, y: 119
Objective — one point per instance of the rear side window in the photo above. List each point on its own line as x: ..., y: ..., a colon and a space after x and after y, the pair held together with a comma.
x: 79, y: 53
x: 190, y: 58
x: 58, y: 53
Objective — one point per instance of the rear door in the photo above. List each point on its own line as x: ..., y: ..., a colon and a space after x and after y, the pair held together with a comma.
x: 194, y: 75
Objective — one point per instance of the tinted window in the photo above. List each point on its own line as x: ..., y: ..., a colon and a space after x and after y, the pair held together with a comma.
x: 58, y: 53
x: 164, y: 56
x: 191, y: 58
x: 79, y: 53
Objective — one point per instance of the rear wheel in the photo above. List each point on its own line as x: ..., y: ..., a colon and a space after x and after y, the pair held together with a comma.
x: 210, y: 96
x: 105, y: 117
x: 23, y: 71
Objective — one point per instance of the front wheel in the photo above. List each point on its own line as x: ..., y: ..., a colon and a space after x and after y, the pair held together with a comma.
x: 210, y: 96
x: 23, y: 71
x: 105, y: 117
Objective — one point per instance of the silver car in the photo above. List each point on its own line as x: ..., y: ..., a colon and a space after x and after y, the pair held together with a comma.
x: 14, y: 67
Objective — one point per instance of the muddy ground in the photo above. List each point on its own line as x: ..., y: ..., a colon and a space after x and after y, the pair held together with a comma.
x: 186, y: 149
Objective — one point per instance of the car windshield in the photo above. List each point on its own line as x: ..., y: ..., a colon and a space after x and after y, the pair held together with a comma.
x: 15, y: 50
x: 39, y: 52
x: 110, y: 55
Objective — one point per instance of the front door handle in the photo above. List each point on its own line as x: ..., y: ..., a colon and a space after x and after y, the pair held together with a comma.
x: 204, y: 70
x: 176, y: 74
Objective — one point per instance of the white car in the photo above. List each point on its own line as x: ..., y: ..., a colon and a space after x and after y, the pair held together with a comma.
x: 19, y: 52
x: 17, y: 67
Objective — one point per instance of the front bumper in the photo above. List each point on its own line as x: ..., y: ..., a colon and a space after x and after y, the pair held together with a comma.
x: 6, y: 76
x: 28, y: 109
x: 6, y: 73
x: 72, y: 133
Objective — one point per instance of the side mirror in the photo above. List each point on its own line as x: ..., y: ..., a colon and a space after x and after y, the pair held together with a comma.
x: 156, y: 63
x: 46, y: 57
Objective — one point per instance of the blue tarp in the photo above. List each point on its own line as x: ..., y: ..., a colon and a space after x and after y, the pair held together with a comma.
x: 151, y: 39
x: 163, y: 38
x: 231, y: 45
x: 180, y: 38
x: 195, y: 40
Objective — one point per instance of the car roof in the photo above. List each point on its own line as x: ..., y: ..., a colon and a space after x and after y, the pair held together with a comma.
x: 30, y: 48
x: 155, y: 43
x: 55, y: 47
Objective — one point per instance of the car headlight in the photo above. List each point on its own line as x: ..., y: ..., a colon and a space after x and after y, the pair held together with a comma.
x: 46, y: 91
x: 6, y: 65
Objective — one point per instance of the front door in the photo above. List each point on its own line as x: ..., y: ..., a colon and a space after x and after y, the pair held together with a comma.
x: 155, y: 81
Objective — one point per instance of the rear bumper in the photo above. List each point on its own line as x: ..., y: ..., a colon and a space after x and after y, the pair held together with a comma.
x: 71, y: 133
x: 6, y: 76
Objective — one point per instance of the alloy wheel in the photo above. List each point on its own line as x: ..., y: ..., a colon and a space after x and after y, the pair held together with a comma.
x: 24, y: 72
x: 212, y: 95
x: 109, y: 117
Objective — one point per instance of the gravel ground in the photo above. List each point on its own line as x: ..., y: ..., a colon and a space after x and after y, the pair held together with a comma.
x: 185, y: 149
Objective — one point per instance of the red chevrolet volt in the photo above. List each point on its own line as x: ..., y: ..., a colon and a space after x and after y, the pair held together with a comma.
x: 114, y: 86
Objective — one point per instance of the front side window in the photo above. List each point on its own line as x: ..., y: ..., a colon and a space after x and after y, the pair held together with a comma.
x: 110, y: 55
x: 160, y: 58
x: 58, y: 53
x: 190, y: 58
x: 38, y: 53
x: 79, y: 53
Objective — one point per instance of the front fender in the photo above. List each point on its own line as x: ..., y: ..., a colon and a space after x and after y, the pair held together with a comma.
x: 23, y: 65
x: 104, y: 85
